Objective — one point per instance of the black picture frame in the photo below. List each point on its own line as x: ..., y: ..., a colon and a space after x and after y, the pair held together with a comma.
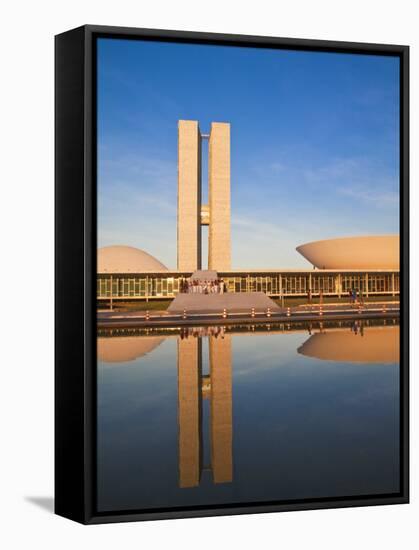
x: 75, y: 271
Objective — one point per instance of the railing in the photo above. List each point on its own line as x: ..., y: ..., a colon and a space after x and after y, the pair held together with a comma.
x: 151, y: 287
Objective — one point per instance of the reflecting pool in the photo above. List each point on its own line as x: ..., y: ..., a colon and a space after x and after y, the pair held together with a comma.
x: 242, y: 414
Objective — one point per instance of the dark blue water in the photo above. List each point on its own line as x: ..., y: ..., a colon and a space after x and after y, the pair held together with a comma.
x: 247, y: 416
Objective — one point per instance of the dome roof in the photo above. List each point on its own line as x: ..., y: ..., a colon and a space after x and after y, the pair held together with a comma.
x: 369, y: 252
x: 126, y: 348
x: 126, y: 259
x: 377, y: 345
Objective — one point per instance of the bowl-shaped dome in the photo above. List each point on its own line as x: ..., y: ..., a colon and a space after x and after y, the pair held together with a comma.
x: 376, y: 252
x: 376, y: 345
x: 126, y: 259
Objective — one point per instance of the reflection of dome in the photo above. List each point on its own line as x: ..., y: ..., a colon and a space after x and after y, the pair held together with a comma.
x: 126, y: 348
x: 376, y: 345
x: 126, y: 259
x: 379, y: 252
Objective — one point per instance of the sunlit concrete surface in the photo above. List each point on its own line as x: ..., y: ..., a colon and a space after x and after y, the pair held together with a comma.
x: 221, y: 416
x: 217, y: 302
x: 368, y: 252
x: 126, y: 259
x: 189, y: 196
x: 219, y: 246
x: 372, y: 345
x: 189, y: 411
x: 125, y: 348
x: 191, y: 213
x: 193, y: 386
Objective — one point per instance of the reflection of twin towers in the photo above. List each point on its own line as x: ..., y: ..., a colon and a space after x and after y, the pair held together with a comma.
x: 191, y: 213
x: 193, y: 387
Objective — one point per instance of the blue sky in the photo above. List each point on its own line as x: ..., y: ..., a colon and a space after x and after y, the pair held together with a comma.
x: 314, y: 144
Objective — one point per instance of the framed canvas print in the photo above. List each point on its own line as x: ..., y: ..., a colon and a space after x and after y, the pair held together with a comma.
x: 231, y: 274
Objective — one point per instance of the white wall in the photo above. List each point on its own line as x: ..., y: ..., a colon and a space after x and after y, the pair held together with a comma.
x: 26, y: 218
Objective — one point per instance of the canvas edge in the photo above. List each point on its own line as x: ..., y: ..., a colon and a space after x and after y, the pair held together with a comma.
x: 84, y: 447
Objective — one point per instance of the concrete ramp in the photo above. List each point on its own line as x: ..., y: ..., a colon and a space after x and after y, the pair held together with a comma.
x: 215, y: 303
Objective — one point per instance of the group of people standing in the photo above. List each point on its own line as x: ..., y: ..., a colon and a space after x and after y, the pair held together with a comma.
x: 356, y: 296
x: 199, y: 332
x: 198, y: 286
x: 310, y: 296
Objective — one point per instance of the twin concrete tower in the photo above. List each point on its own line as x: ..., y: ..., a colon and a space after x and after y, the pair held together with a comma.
x: 192, y: 214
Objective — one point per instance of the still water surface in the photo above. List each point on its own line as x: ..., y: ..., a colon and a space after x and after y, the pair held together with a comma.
x: 210, y: 416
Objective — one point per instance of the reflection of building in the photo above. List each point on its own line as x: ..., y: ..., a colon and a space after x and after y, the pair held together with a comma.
x: 125, y: 348
x: 193, y: 386
x: 189, y: 411
x: 371, y: 345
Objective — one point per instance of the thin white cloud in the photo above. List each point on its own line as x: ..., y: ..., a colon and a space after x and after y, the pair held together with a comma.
x: 257, y: 244
x: 137, y: 203
x: 380, y: 199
